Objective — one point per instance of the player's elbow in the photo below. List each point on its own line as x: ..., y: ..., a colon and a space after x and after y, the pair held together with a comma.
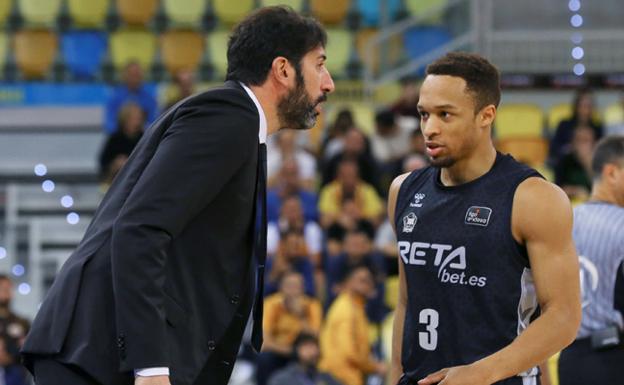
x: 568, y: 323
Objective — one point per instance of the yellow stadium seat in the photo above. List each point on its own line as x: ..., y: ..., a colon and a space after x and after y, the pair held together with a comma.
x: 421, y: 7
x: 90, y: 13
x: 4, y: 49
x: 330, y: 11
x: 184, y: 12
x: 531, y: 151
x: 40, y: 12
x: 216, y: 43
x: 181, y: 50
x: 231, y: 12
x: 5, y: 11
x: 137, y: 12
x: 132, y: 45
x: 35, y: 51
x: 519, y: 121
x: 557, y: 113
x: 614, y: 114
x: 297, y: 5
x: 392, y: 49
x: 553, y: 369
x: 338, y: 49
x: 392, y: 292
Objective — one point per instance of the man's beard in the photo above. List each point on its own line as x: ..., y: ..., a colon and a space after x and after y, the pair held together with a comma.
x: 295, y: 109
x: 443, y: 162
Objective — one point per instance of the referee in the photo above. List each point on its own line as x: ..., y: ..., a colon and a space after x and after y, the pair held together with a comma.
x: 597, y: 355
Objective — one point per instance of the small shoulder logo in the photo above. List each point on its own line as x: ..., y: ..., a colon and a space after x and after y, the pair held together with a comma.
x: 409, y: 221
x: 418, y: 197
x: 477, y: 215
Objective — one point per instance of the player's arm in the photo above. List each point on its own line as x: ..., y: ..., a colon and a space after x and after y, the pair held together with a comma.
x: 396, y: 370
x: 542, y: 220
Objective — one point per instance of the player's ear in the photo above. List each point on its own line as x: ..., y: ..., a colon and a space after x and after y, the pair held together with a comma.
x: 487, y: 115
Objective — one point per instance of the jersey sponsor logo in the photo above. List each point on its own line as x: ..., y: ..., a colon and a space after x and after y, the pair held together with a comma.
x: 409, y: 221
x: 418, y: 197
x: 477, y: 215
x: 589, y: 279
x: 450, y: 261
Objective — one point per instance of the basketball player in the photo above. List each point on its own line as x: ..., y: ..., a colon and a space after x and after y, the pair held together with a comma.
x: 597, y: 355
x: 489, y: 283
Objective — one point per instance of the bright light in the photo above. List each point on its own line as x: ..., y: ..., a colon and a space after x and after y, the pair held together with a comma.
x: 574, y: 5
x: 577, y: 38
x: 18, y: 270
x: 24, y: 288
x: 67, y: 201
x: 41, y: 169
x: 576, y: 20
x: 47, y: 185
x: 579, y: 69
x: 73, y: 218
x: 578, y: 53
x: 2, y: 252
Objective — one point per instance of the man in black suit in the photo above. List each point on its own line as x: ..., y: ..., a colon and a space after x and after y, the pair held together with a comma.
x: 159, y: 290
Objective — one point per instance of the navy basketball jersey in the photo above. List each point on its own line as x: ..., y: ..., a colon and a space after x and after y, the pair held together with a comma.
x: 469, y: 283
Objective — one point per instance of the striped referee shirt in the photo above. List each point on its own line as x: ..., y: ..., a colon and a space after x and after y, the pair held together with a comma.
x: 599, y: 237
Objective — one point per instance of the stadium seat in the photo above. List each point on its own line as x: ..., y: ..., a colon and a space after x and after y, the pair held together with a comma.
x: 531, y: 151
x: 132, y: 45
x: 83, y: 52
x: 519, y: 121
x: 614, y: 114
x: 137, y: 12
x: 184, y: 12
x: 216, y: 43
x: 181, y: 50
x: 5, y: 11
x: 392, y: 292
x: 420, y: 7
x: 392, y: 50
x: 556, y: 114
x: 231, y: 12
x: 40, y: 12
x: 4, y: 49
x: 87, y: 14
x: 338, y: 49
x: 330, y: 12
x: 35, y: 51
x: 371, y: 11
x: 422, y: 40
x: 297, y: 5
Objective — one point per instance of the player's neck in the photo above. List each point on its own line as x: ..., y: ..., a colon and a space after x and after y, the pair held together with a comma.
x: 601, y: 193
x: 469, y: 169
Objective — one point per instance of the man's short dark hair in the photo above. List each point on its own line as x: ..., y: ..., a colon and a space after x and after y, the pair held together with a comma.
x: 609, y: 150
x: 268, y: 33
x: 482, y: 78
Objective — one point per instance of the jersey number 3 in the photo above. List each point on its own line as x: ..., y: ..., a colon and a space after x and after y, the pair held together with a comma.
x: 428, y: 340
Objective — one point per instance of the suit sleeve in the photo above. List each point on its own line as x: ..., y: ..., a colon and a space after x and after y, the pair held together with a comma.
x: 199, y: 153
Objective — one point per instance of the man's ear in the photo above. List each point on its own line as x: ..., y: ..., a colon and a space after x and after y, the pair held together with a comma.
x: 282, y: 71
x: 486, y: 116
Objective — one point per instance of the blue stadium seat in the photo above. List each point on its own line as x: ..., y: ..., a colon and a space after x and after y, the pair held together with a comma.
x: 422, y: 40
x: 83, y: 52
x: 370, y: 11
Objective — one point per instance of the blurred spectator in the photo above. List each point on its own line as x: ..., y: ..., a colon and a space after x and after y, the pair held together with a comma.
x: 408, y: 100
x: 183, y: 87
x: 305, y: 368
x: 287, y: 149
x: 334, y: 142
x: 345, y: 347
x: 133, y: 90
x: 386, y: 244
x: 286, y: 314
x: 349, y: 187
x: 289, y: 184
x: 390, y: 143
x: 355, y: 148
x: 618, y: 128
x: 291, y: 255
x: 358, y: 250
x: 120, y: 144
x: 573, y: 171
x: 350, y: 219
x: 13, y: 330
x: 582, y: 115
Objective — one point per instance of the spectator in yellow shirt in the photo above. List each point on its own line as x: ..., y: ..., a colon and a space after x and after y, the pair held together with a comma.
x: 287, y: 313
x: 345, y: 346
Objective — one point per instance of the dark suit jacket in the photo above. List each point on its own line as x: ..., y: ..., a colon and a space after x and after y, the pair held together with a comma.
x: 166, y: 264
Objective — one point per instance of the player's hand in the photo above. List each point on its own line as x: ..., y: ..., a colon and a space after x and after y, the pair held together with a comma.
x: 152, y: 380
x: 458, y: 375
